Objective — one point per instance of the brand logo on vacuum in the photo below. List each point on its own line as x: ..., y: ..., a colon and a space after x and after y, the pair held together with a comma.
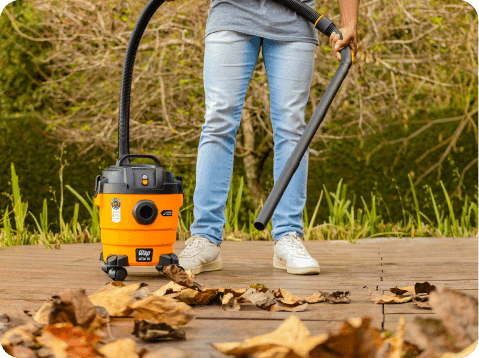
x: 115, y: 210
x: 144, y: 255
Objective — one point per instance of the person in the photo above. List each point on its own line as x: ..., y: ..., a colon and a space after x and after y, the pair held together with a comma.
x: 235, y: 32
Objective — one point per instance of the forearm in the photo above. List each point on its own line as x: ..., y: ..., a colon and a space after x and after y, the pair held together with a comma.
x: 349, y: 12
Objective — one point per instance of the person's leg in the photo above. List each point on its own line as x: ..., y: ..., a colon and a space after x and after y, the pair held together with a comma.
x: 289, y: 67
x: 230, y: 59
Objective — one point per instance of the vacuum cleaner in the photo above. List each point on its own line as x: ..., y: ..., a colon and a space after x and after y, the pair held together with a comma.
x: 139, y: 203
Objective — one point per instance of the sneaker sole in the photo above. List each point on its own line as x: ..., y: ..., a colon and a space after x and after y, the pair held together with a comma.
x: 294, y: 270
x: 212, y: 266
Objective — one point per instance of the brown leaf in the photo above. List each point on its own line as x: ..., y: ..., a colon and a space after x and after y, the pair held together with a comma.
x: 263, y: 300
x: 398, y: 341
x: 354, y: 340
x: 15, y: 319
x: 399, y: 291
x: 259, y: 287
x: 405, y: 290
x: 194, y: 297
x: 118, y: 302
x: 23, y: 334
x: 123, y: 348
x: 229, y: 303
x: 379, y: 299
x: 170, y: 287
x: 75, y: 307
x: 155, y: 332
x: 458, y: 313
x: 274, y: 344
x: 338, y: 297
x: 68, y: 341
x: 316, y: 298
x: 236, y: 293
x: 180, y: 276
x: 279, y: 306
x: 113, y: 285
x: 163, y: 310
x: 43, y: 313
x: 423, y: 305
x: 424, y: 287
x: 432, y: 336
x: 22, y: 352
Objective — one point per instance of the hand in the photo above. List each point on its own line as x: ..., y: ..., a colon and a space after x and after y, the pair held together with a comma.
x: 349, y: 38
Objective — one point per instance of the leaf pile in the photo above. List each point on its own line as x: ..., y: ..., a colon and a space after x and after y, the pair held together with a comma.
x: 71, y: 324
x: 453, y: 335
x: 184, y: 289
x: 419, y: 293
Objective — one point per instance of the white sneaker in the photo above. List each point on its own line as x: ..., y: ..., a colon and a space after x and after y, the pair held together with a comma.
x: 200, y: 255
x: 291, y: 255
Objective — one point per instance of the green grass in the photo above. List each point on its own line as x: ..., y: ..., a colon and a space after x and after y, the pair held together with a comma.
x: 345, y: 221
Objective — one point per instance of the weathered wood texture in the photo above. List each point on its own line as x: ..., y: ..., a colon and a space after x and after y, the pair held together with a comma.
x: 30, y: 274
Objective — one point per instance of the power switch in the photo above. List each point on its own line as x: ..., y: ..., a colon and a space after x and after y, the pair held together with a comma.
x: 144, y: 179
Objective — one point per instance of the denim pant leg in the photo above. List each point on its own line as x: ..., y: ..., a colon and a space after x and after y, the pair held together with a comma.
x: 289, y: 67
x: 230, y: 58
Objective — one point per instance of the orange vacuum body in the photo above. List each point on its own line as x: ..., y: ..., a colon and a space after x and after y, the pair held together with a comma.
x: 139, y: 206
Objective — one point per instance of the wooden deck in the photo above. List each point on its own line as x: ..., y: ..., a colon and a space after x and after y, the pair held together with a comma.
x: 30, y: 274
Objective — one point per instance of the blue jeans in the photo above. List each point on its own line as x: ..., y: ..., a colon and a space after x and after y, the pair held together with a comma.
x: 230, y: 58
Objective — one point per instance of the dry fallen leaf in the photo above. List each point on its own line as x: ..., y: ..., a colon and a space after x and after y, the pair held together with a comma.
x: 229, y: 303
x: 180, y: 276
x: 21, y: 335
x: 194, y: 297
x: 355, y: 339
x: 67, y: 341
x: 423, y: 305
x: 379, y: 299
x: 157, y: 309
x: 338, y: 297
x: 455, y: 330
x: 398, y: 341
x: 155, y: 332
x: 277, y: 343
x: 279, y: 306
x: 15, y: 319
x: 424, y: 287
x: 123, y: 348
x: 118, y: 302
x: 112, y: 285
x: 75, y: 307
x: 170, y: 287
x: 290, y: 298
x: 263, y: 300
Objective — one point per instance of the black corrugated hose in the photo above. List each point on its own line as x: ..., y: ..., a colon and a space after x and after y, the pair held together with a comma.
x: 131, y: 49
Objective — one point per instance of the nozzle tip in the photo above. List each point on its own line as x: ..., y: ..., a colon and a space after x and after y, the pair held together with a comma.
x: 259, y: 226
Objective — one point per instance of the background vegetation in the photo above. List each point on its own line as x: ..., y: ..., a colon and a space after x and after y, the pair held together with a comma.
x: 408, y: 109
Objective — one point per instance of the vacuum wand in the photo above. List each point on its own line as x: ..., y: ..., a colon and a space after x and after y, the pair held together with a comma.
x: 327, y: 27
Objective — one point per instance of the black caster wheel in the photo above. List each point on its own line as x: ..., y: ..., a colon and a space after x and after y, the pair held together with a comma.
x: 104, y: 267
x: 117, y: 273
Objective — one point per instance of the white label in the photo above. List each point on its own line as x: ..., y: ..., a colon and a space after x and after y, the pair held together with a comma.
x: 115, y: 210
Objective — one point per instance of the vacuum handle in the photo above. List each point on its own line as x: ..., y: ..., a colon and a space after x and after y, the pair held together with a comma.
x: 143, y: 156
x: 318, y: 115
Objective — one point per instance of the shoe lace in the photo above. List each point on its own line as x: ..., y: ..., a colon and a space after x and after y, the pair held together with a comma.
x: 194, y: 244
x: 294, y: 242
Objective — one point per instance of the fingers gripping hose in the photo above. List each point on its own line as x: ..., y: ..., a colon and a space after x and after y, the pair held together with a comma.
x: 132, y: 48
